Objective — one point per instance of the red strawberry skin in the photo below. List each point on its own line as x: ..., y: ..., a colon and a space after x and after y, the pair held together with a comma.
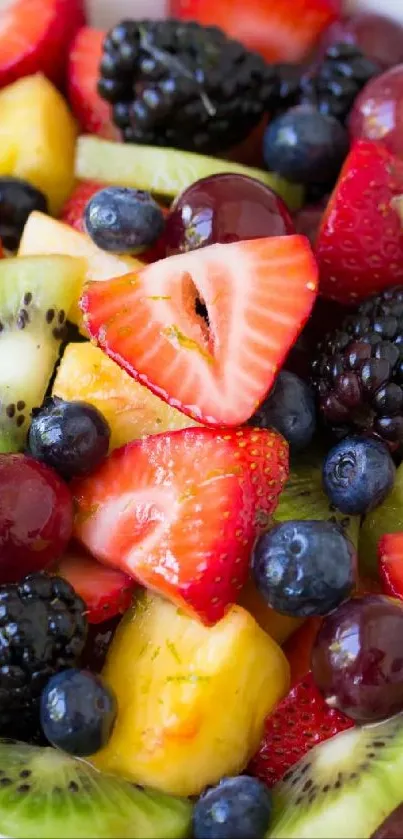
x: 258, y: 295
x: 390, y: 563
x: 35, y: 36
x: 359, y: 247
x: 279, y: 30
x: 73, y: 211
x: 107, y: 592
x: 92, y: 112
x: 302, y: 720
x: 180, y: 511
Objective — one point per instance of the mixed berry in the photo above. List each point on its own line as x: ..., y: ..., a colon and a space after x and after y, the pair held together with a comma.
x: 201, y: 423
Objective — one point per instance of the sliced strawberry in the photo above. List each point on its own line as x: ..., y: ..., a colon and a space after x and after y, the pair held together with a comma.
x: 35, y: 36
x: 106, y: 591
x: 301, y: 721
x: 180, y: 511
x: 280, y: 30
x: 92, y: 112
x: 258, y: 295
x: 390, y: 562
x: 359, y: 247
x: 73, y: 211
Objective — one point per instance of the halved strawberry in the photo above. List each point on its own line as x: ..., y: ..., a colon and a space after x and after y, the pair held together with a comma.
x: 106, y: 591
x: 258, y: 295
x: 390, y: 563
x: 73, y: 211
x: 92, y: 112
x: 300, y: 721
x: 35, y: 36
x: 280, y: 30
x: 180, y: 511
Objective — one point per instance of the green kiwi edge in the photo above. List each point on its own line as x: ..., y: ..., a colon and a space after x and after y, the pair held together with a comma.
x: 344, y: 788
x: 46, y: 793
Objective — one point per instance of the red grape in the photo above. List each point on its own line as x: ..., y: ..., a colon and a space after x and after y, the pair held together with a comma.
x: 392, y: 827
x: 378, y: 111
x: 357, y: 658
x: 222, y: 209
x: 36, y: 516
x: 378, y: 37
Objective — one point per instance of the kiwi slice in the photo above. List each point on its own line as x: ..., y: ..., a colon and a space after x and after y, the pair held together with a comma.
x: 344, y: 788
x: 36, y: 294
x: 46, y: 793
x: 163, y: 171
x: 303, y: 496
x: 388, y: 518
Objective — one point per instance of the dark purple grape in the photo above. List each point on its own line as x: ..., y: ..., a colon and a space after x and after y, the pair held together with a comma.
x: 222, y: 209
x: 392, y: 827
x: 357, y: 658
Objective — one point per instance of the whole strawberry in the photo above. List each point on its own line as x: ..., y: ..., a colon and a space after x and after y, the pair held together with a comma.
x: 359, y: 247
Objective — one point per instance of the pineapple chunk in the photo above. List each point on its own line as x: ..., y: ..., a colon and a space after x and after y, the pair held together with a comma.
x: 132, y: 411
x: 45, y: 235
x: 192, y: 699
x: 37, y: 137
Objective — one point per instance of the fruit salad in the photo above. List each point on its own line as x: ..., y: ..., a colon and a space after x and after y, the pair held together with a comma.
x: 201, y: 422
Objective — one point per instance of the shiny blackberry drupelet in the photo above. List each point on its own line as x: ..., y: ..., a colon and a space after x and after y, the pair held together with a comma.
x: 42, y: 631
x: 336, y: 82
x: 180, y: 84
x: 358, y: 372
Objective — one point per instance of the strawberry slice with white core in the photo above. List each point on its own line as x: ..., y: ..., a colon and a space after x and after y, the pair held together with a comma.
x: 180, y: 511
x: 258, y: 295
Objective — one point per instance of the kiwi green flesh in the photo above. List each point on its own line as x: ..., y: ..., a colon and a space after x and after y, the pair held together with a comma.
x: 45, y: 793
x: 344, y: 788
x: 36, y: 294
x: 388, y: 518
x: 303, y: 497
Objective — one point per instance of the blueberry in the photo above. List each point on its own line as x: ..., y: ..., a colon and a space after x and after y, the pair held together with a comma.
x: 358, y: 474
x: 304, y: 568
x: 305, y: 146
x: 239, y: 808
x: 72, y: 437
x: 123, y: 220
x: 18, y: 199
x: 77, y: 712
x: 290, y: 409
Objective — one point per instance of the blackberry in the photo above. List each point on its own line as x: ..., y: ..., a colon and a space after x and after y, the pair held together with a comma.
x: 336, y: 82
x: 358, y: 373
x: 175, y: 83
x: 42, y: 631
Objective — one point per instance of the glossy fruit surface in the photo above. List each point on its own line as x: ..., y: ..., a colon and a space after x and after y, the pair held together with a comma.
x: 36, y: 516
x: 380, y: 38
x: 93, y: 113
x: 77, y: 712
x: 357, y: 661
x: 236, y: 807
x: 105, y: 591
x: 72, y: 437
x: 358, y: 474
x: 290, y: 409
x: 222, y: 209
x: 168, y: 672
x: 378, y: 111
x: 304, y: 568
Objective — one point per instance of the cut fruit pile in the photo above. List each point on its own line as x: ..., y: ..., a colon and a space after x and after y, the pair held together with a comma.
x: 201, y: 423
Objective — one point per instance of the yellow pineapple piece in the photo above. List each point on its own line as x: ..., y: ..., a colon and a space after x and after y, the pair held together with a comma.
x: 45, y: 235
x: 280, y: 627
x: 132, y: 411
x: 192, y: 699
x: 37, y: 137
